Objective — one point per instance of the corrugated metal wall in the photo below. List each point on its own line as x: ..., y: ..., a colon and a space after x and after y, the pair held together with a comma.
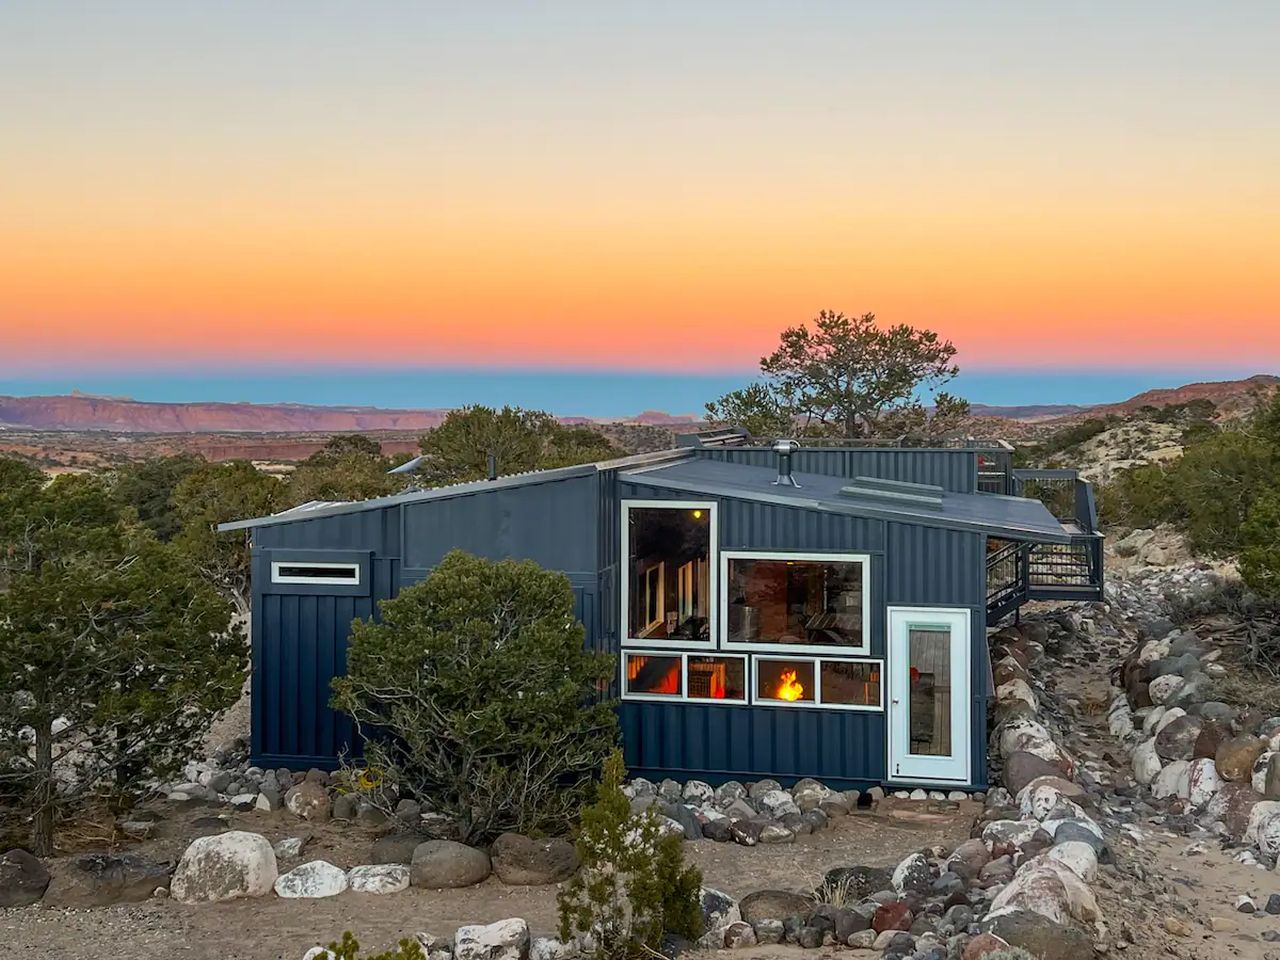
x: 954, y: 470
x: 300, y: 641
x: 911, y: 565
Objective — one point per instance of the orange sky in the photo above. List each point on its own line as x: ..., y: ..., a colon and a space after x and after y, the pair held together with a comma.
x: 657, y: 190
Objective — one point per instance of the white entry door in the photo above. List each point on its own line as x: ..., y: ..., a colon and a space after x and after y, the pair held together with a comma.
x: 929, y: 694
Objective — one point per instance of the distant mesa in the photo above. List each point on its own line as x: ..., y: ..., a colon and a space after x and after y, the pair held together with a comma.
x: 80, y: 411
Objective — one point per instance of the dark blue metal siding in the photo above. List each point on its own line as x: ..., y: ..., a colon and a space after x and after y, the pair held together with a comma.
x: 377, y: 530
x: 299, y: 646
x: 911, y: 566
x: 552, y: 523
x: 746, y: 743
x: 955, y: 470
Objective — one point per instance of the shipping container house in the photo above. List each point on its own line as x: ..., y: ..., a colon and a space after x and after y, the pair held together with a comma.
x: 819, y: 612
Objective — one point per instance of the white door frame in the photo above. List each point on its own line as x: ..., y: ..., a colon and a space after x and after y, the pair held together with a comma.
x: 905, y: 767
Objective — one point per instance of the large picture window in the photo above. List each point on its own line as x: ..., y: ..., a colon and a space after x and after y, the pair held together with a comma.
x: 668, y: 589
x: 796, y: 602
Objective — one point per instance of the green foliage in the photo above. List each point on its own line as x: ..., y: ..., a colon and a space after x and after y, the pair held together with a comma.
x: 476, y: 695
x: 1046, y: 452
x: 847, y: 377
x: 633, y: 887
x: 349, y: 467
x: 213, y: 494
x: 521, y: 440
x: 147, y: 488
x: 1260, y: 537
x: 114, y: 654
x: 349, y: 949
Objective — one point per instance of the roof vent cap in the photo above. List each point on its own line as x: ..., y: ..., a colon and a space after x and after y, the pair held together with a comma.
x: 784, y: 449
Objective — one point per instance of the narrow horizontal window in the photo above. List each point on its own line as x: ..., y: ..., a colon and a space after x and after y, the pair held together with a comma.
x: 850, y: 683
x: 716, y: 678
x: 318, y: 573
x: 786, y: 681
x: 654, y: 675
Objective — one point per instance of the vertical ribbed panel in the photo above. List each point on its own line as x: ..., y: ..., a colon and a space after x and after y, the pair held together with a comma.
x: 954, y: 470
x: 717, y: 743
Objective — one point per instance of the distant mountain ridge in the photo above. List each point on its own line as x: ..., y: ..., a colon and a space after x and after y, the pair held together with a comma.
x: 77, y: 411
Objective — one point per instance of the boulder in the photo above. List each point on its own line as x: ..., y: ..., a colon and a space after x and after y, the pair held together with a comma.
x: 913, y: 875
x: 739, y: 934
x: 1163, y: 688
x: 1172, y: 781
x: 809, y: 793
x: 23, y: 879
x: 1146, y: 762
x: 1039, y: 936
x: 1018, y: 690
x: 100, y: 879
x: 550, y: 948
x: 439, y: 864
x: 311, y: 881
x: 1161, y: 717
x: 894, y: 915
x: 225, y: 866
x: 504, y: 940
x: 1050, y: 889
x: 1038, y: 798
x: 1176, y: 740
x: 777, y: 804
x: 719, y: 910
x: 1015, y: 832
x: 773, y: 905
x: 1020, y: 768
x: 968, y: 859
x: 379, y: 878
x: 522, y: 861
x: 1235, y: 757
x: 1264, y: 820
x: 983, y: 945
x: 1203, y: 782
x: 396, y: 847
x: 1271, y: 778
x: 1213, y: 733
x: 309, y: 800
x: 1233, y: 805
x: 698, y: 792
x: 1019, y: 730
x: 1077, y: 856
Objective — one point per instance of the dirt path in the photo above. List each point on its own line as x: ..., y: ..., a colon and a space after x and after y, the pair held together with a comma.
x: 273, y: 929
x: 1172, y: 893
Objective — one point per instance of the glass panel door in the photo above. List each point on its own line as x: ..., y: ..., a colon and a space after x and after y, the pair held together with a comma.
x: 929, y: 694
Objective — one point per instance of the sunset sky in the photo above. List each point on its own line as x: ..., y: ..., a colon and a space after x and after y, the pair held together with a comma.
x: 237, y: 187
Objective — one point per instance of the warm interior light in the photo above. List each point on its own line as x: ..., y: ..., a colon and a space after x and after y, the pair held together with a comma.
x: 789, y: 688
x: 697, y: 514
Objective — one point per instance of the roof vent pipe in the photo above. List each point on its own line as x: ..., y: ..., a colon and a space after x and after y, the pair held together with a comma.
x: 493, y: 465
x: 784, y: 449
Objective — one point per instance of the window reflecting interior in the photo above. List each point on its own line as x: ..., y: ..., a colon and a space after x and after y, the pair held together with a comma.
x: 669, y: 590
x: 929, y: 653
x: 653, y: 675
x: 717, y: 678
x: 850, y: 683
x: 807, y: 602
x: 785, y: 681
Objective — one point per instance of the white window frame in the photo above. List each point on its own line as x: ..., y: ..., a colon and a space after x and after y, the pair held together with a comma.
x: 831, y: 652
x: 624, y: 575
x: 277, y: 577
x: 683, y: 697
x: 817, y: 704
x: 725, y: 701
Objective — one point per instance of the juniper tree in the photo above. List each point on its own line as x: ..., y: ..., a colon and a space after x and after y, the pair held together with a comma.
x: 114, y: 654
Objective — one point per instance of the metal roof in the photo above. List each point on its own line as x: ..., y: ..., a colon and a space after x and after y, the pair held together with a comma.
x: 1014, y: 518
x: 325, y: 508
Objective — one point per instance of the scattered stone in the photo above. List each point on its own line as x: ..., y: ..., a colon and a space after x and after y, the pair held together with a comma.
x: 439, y: 864
x: 521, y: 861
x: 312, y: 880
x: 309, y: 800
x: 23, y: 879
x: 742, y: 934
x: 504, y: 940
x: 768, y: 931
x: 290, y: 848
x: 1245, y: 904
x: 913, y: 875
x: 379, y: 878
x: 100, y: 879
x: 719, y: 911
x: 895, y: 915
x: 1235, y: 757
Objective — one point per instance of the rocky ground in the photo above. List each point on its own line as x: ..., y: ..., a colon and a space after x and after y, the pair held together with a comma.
x: 1098, y: 835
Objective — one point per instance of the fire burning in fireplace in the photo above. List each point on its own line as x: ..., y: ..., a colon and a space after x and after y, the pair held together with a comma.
x: 789, y: 688
x: 654, y: 674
